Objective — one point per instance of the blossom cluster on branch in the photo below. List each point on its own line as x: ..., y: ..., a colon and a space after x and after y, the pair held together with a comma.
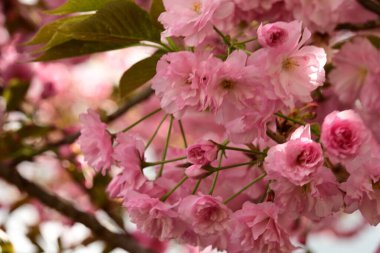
x: 256, y: 128
x: 273, y: 164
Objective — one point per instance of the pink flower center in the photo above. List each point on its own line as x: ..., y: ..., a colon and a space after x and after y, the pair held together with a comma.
x: 227, y: 84
x: 276, y: 36
x: 344, y: 138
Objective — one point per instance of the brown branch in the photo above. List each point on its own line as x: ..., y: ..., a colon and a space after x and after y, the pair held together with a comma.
x: 140, y: 97
x: 124, y: 241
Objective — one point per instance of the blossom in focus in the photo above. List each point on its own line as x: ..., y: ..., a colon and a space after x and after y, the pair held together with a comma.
x: 95, y: 142
x: 297, y: 160
x: 257, y: 229
x: 345, y: 136
x: 129, y: 155
x: 202, y: 153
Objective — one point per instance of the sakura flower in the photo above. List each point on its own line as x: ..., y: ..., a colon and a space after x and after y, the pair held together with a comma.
x: 206, y: 214
x: 257, y: 229
x: 231, y: 87
x: 280, y: 35
x: 202, y: 153
x: 193, y: 19
x: 152, y: 216
x: 179, y: 80
x: 291, y: 73
x: 129, y: 153
x: 95, y: 142
x: 345, y: 136
x: 296, y: 160
x: 355, y: 63
x: 196, y: 171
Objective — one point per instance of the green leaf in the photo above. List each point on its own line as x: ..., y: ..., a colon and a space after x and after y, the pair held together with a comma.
x: 119, y: 21
x: 118, y: 24
x: 374, y: 40
x: 139, y: 74
x: 72, y: 6
x: 155, y: 10
x: 74, y: 48
x: 15, y: 93
x: 48, y: 31
x: 33, y: 131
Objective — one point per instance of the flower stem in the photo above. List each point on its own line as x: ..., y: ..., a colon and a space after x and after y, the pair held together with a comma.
x: 167, y: 195
x: 196, y: 186
x: 147, y: 164
x: 215, y: 179
x: 182, y: 133
x: 142, y: 119
x: 299, y: 122
x: 166, y: 145
x: 233, y: 166
x: 254, y: 181
x: 156, y: 132
x: 245, y: 41
x: 225, y: 147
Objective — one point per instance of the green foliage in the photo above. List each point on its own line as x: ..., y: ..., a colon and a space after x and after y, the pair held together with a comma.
x: 72, y: 6
x: 374, y: 40
x: 155, y: 10
x: 14, y: 94
x: 116, y: 24
x: 139, y: 74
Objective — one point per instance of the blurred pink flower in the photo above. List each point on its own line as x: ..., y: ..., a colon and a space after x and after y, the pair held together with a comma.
x: 206, y: 214
x: 95, y: 142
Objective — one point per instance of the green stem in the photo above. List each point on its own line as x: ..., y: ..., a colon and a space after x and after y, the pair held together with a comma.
x: 166, y: 145
x: 225, y: 39
x: 196, y: 186
x: 161, y: 46
x: 233, y: 166
x: 254, y: 181
x: 290, y: 119
x: 172, y: 44
x: 156, y: 132
x: 240, y: 149
x: 182, y: 133
x: 245, y: 41
x: 215, y: 179
x: 148, y: 164
x: 274, y: 136
x: 142, y: 119
x: 167, y: 195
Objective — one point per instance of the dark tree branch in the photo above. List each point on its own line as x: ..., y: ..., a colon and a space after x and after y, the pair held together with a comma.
x: 359, y: 27
x: 124, y: 241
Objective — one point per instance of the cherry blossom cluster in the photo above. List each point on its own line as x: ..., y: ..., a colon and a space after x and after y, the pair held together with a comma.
x: 286, y: 144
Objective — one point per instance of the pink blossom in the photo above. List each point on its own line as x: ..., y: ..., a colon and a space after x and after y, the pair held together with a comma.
x: 152, y: 216
x: 280, y: 35
x: 194, y: 19
x: 129, y: 154
x: 317, y: 15
x: 296, y: 160
x: 202, y: 153
x: 257, y: 229
x: 344, y: 135
x: 291, y: 73
x: 196, y: 171
x: 318, y: 199
x: 95, y: 142
x: 355, y: 63
x: 231, y: 88
x: 179, y: 79
x: 206, y: 214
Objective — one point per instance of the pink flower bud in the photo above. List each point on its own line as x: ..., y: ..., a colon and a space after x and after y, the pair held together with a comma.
x: 196, y: 172
x: 202, y: 153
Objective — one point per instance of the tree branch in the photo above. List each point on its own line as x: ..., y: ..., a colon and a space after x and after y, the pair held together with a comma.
x: 124, y: 241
